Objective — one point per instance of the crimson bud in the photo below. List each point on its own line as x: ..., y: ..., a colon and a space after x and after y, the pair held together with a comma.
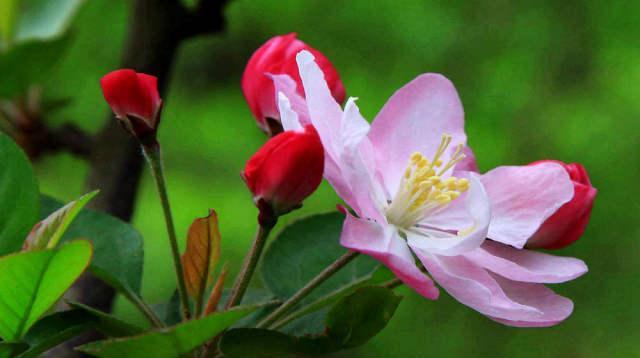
x: 135, y: 100
x: 278, y: 56
x: 568, y: 223
x: 286, y: 170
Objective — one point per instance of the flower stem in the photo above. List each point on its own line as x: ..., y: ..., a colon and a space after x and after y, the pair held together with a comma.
x: 306, y: 289
x: 249, y: 266
x: 153, y: 155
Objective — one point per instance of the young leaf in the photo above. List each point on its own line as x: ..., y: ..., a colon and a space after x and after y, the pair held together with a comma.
x: 216, y: 292
x: 33, y: 281
x: 202, y: 254
x: 171, y: 342
x: 19, y: 203
x: 117, y: 245
x: 48, y: 232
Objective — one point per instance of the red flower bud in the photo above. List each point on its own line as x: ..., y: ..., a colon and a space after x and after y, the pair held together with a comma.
x: 134, y: 99
x: 278, y: 56
x: 286, y: 170
x: 569, y: 222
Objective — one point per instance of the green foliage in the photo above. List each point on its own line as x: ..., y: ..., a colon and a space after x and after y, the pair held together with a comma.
x: 18, y: 196
x: 118, y: 246
x: 170, y: 342
x: 48, y: 232
x: 351, y: 322
x: 7, y: 18
x: 29, y: 63
x: 44, y: 19
x: 305, y: 248
x: 33, y: 281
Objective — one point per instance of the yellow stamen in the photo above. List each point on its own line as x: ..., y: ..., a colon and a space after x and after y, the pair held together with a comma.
x: 422, y: 189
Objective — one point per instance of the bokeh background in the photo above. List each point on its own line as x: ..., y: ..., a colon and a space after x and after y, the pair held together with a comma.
x: 538, y: 79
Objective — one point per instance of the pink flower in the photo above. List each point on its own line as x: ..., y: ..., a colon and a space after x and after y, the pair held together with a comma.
x: 277, y: 57
x: 568, y: 223
x: 134, y: 99
x: 285, y: 170
x: 409, y: 178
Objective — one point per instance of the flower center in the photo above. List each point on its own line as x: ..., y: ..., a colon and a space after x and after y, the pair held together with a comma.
x: 423, y: 191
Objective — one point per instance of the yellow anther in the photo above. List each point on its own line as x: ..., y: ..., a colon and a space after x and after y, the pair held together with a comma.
x: 435, y: 179
x: 454, y: 194
x: 415, y: 157
x: 443, y: 198
x: 462, y: 184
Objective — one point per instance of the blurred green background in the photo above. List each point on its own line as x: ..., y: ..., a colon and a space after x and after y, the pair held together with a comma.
x: 538, y: 79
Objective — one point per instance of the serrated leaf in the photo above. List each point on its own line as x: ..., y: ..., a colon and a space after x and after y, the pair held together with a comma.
x: 301, y: 251
x: 351, y: 322
x: 360, y: 316
x: 19, y: 198
x: 118, y: 246
x: 263, y: 343
x: 169, y: 342
x: 33, y: 281
x: 202, y: 254
x: 48, y: 232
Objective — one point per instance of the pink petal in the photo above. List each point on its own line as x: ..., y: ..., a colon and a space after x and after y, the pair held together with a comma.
x: 510, y: 302
x: 414, y: 119
x: 554, y: 307
x: 522, y: 198
x: 526, y: 265
x: 468, y: 164
x: 477, y: 208
x: 286, y: 85
x: 288, y: 117
x: 383, y: 244
x: 472, y: 285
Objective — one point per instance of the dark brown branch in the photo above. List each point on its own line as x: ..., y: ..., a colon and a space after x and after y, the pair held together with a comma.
x: 24, y: 121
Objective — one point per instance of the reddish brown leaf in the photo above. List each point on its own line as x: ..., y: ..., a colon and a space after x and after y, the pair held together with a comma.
x: 216, y: 293
x: 202, y: 254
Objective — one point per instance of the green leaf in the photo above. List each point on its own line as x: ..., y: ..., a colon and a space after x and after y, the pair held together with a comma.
x: 263, y: 343
x: 29, y: 62
x: 301, y: 251
x: 106, y: 323
x: 11, y: 349
x: 118, y: 246
x: 48, y: 232
x: 19, y: 203
x: 44, y: 19
x: 351, y: 322
x: 62, y: 326
x: 170, y: 342
x: 305, y: 248
x: 55, y: 329
x: 360, y: 316
x: 33, y: 281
